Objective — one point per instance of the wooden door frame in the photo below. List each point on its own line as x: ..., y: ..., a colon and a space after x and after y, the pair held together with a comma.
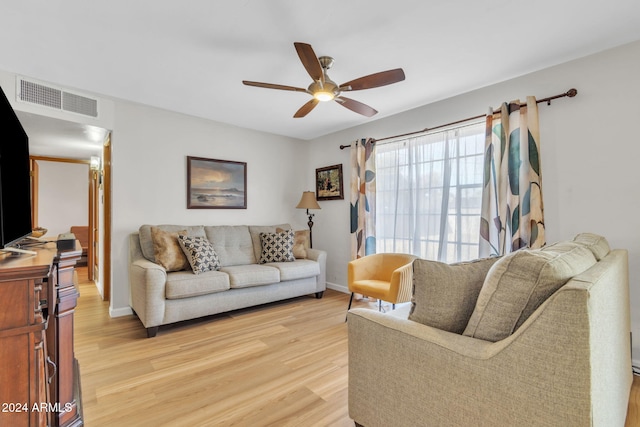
x: 106, y: 221
x: 34, y: 171
x: 94, y: 222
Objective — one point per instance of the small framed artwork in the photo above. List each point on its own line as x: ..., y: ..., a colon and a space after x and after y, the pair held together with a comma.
x: 216, y: 184
x: 329, y: 183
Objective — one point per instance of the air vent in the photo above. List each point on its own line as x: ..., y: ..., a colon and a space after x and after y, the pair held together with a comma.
x: 53, y: 97
x: 79, y: 104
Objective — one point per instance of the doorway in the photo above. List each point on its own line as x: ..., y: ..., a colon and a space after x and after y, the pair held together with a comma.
x: 70, y: 141
x: 87, y: 227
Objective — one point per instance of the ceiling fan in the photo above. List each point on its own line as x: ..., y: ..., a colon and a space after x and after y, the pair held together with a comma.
x: 325, y: 89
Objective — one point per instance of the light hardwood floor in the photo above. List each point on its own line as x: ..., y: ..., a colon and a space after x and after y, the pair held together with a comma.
x: 280, y: 365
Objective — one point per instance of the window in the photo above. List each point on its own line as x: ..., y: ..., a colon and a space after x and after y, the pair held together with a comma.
x: 429, y: 194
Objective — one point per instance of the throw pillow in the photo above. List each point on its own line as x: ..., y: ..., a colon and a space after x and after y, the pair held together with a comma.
x: 300, y: 242
x: 277, y: 247
x: 200, y: 253
x: 444, y: 295
x: 596, y: 244
x: 167, y: 251
x: 519, y: 283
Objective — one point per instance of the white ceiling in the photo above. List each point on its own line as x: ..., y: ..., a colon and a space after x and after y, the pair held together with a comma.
x: 60, y: 138
x: 191, y: 57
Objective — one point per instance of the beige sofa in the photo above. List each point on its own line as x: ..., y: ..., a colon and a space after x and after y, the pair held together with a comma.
x: 159, y: 297
x: 567, y: 363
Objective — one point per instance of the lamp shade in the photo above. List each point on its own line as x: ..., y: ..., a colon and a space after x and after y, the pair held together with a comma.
x: 308, y: 201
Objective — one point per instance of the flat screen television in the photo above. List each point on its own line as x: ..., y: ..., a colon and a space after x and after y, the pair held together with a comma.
x: 15, y: 178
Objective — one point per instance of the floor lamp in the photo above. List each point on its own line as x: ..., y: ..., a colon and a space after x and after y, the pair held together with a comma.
x: 308, y: 201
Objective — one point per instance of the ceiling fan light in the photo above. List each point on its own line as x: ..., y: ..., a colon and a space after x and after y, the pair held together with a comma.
x: 324, y: 96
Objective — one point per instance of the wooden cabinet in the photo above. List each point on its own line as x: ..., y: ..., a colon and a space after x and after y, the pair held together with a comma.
x: 39, y: 377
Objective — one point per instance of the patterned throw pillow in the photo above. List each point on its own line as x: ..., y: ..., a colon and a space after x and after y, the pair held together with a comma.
x: 300, y: 242
x: 200, y: 253
x: 277, y: 247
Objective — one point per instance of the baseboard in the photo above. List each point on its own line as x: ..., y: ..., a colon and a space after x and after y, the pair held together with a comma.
x: 119, y: 312
x: 339, y: 288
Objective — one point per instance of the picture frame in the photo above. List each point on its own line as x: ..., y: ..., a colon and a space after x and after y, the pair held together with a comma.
x: 329, y: 183
x: 216, y: 184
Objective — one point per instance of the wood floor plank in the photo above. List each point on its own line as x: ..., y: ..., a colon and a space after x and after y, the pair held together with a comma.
x: 282, y: 364
x: 633, y: 411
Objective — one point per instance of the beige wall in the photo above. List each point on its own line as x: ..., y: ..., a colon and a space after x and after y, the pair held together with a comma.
x: 62, y: 184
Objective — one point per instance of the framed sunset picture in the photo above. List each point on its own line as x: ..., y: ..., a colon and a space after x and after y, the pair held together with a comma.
x: 216, y: 184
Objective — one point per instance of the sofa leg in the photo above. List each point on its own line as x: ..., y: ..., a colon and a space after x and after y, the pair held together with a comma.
x: 151, y: 332
x: 319, y: 294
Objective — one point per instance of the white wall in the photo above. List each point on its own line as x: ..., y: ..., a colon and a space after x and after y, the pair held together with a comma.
x: 150, y: 147
x: 63, y: 198
x: 590, y: 155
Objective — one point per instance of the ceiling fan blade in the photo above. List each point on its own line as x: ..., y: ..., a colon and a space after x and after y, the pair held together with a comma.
x: 382, y: 78
x: 273, y: 86
x: 356, y: 106
x: 310, y: 61
x: 306, y: 108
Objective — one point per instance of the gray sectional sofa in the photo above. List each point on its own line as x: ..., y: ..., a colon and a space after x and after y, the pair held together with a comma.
x: 159, y: 297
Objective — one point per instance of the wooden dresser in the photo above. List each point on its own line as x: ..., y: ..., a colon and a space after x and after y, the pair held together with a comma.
x: 39, y: 376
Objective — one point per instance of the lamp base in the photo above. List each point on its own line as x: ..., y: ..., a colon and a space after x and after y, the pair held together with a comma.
x: 310, y: 224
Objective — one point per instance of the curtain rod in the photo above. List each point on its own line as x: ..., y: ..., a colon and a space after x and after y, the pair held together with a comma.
x: 570, y: 93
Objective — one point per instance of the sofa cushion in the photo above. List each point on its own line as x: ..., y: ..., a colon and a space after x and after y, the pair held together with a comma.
x: 598, y: 245
x: 167, y: 251
x: 255, y: 231
x: 519, y: 282
x: 299, y: 269
x: 232, y: 243
x: 184, y: 284
x: 146, y: 242
x: 244, y: 276
x: 277, y: 247
x: 200, y: 253
x: 444, y: 295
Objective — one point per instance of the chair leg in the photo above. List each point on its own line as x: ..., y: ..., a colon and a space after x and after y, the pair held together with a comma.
x: 393, y: 306
x: 379, y: 304
x: 349, y: 308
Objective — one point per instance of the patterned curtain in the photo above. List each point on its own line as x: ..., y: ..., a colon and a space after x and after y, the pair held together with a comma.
x: 363, y: 198
x: 512, y: 209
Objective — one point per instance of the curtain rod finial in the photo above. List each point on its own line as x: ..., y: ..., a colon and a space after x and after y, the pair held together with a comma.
x: 572, y: 92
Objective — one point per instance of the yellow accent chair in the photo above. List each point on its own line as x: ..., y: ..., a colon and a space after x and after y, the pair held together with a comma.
x: 386, y: 276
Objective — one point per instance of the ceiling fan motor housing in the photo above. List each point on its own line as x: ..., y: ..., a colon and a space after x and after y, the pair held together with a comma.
x: 326, y: 91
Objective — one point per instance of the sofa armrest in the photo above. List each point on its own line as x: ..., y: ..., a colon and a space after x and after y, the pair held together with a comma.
x: 147, y: 281
x: 319, y: 256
